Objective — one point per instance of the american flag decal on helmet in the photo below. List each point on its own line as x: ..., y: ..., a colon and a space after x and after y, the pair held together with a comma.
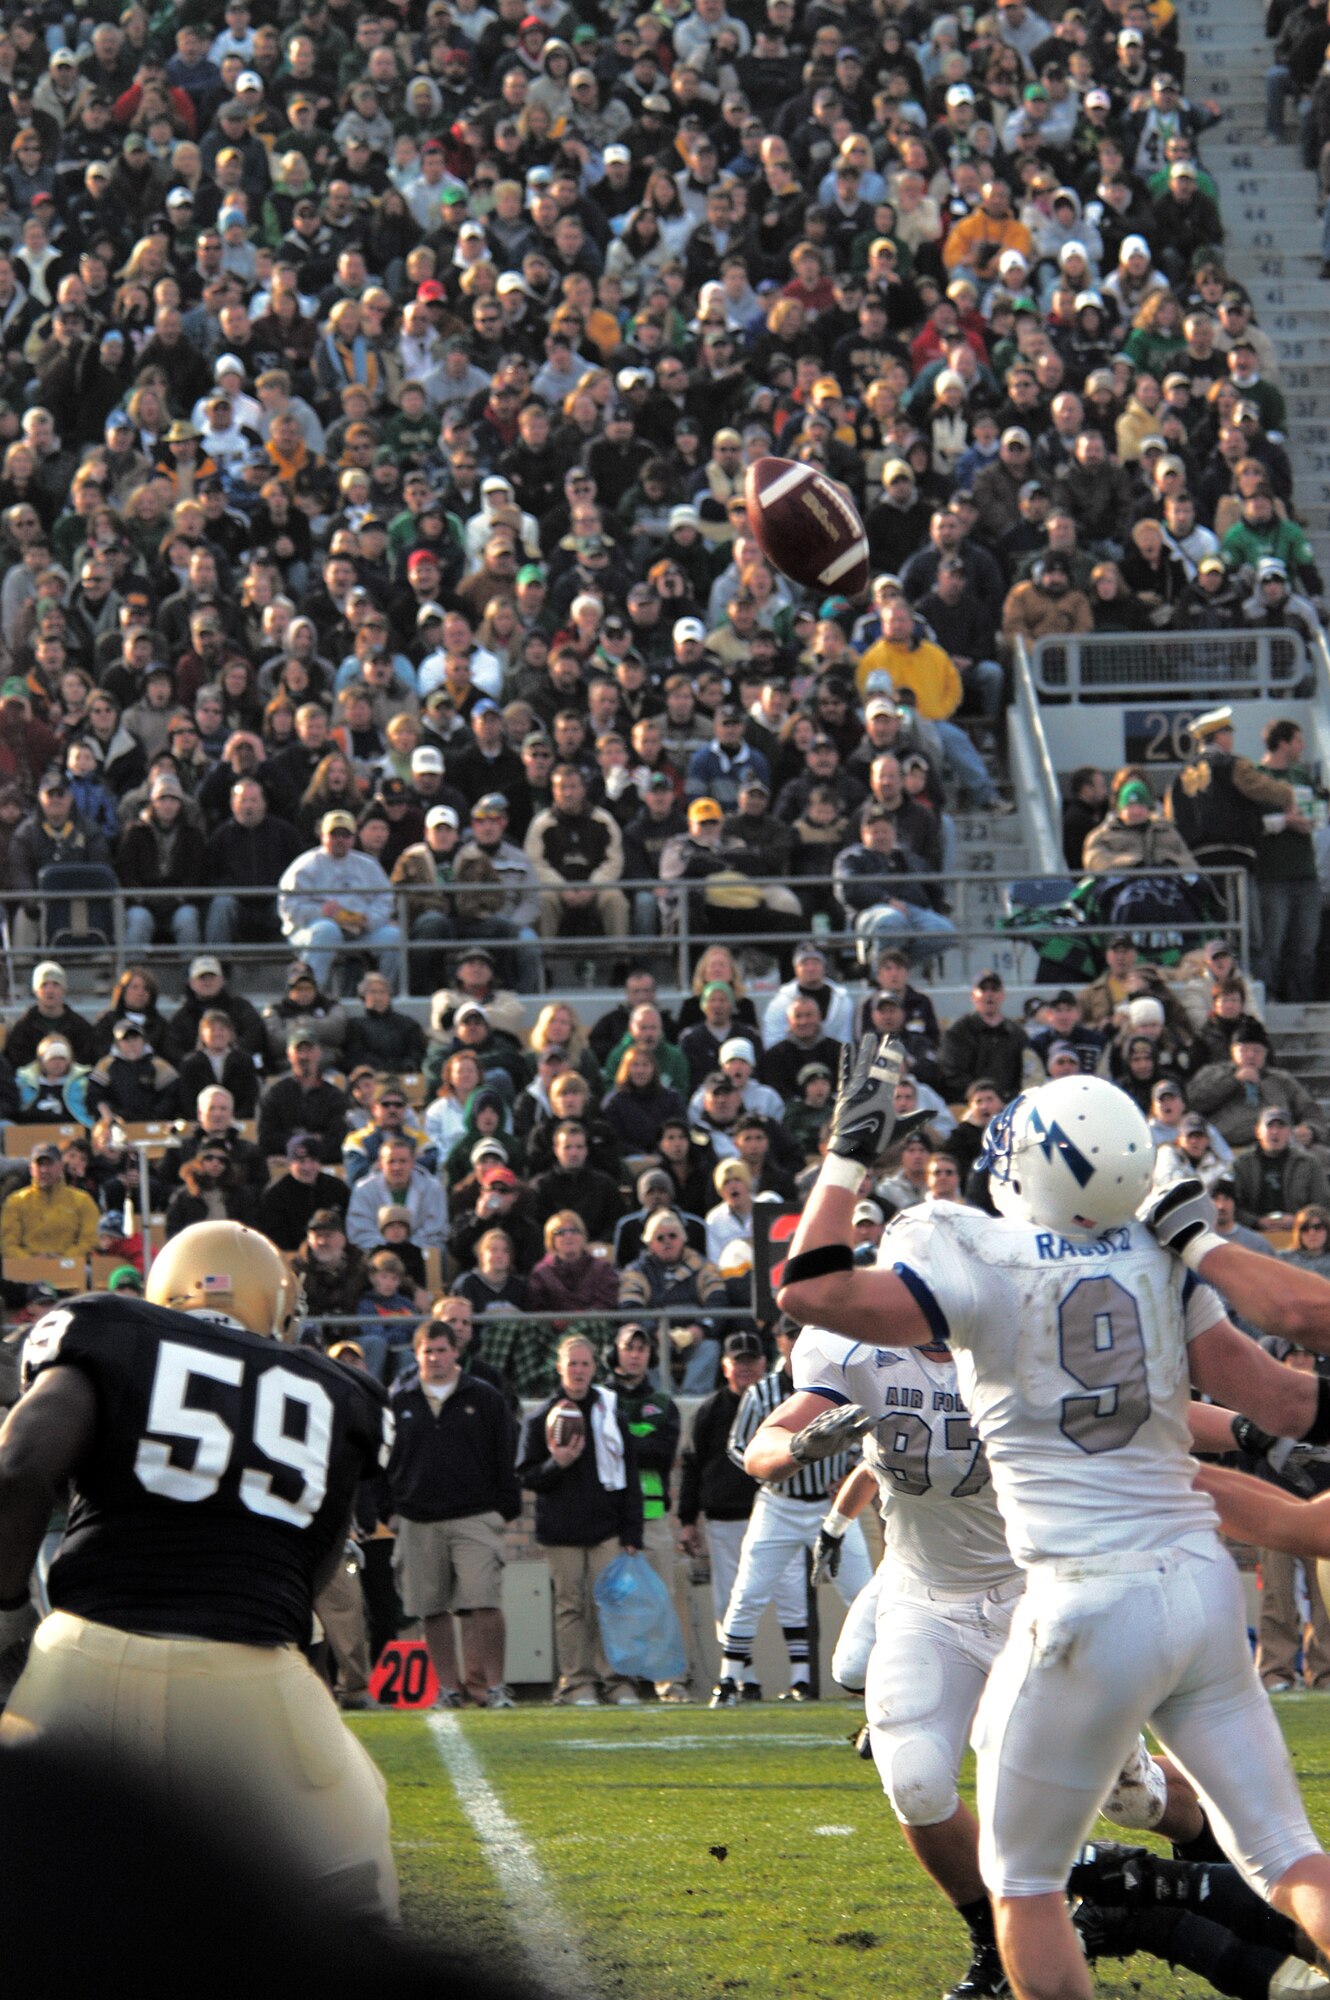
x: 219, y: 1282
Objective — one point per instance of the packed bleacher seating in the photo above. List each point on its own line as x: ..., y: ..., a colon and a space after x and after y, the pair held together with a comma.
x: 430, y: 830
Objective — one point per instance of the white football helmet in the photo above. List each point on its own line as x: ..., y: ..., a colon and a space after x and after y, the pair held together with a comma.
x: 1075, y: 1156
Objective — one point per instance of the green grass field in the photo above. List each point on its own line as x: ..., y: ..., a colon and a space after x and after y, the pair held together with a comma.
x: 683, y: 1853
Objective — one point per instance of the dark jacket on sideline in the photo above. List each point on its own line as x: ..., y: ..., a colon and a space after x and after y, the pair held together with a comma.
x: 461, y: 1462
x: 573, y: 1509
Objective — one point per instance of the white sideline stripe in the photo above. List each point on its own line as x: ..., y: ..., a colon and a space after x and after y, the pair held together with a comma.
x: 535, y: 1914
x: 655, y: 1744
x: 858, y: 553
x: 796, y: 476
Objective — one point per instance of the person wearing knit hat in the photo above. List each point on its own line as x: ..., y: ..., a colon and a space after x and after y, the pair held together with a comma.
x: 1134, y: 835
x: 731, y: 1220
x: 50, y: 1014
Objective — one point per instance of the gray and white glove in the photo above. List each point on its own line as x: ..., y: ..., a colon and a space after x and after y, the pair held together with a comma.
x: 1181, y: 1217
x: 864, y: 1118
x: 833, y: 1431
x: 827, y: 1552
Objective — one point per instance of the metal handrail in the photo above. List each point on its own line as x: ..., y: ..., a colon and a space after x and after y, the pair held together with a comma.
x: 1204, y: 666
x: 976, y: 896
x: 1037, y: 787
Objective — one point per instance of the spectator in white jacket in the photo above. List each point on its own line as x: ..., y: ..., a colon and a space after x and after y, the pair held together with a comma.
x: 738, y: 1059
x: 810, y: 979
x: 397, y: 1179
x: 333, y: 898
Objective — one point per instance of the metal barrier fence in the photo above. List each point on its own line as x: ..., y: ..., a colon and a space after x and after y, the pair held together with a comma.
x: 977, y: 897
x: 1205, y: 666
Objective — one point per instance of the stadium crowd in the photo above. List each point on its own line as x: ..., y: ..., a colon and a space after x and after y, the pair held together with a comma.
x: 376, y: 393
x: 376, y: 398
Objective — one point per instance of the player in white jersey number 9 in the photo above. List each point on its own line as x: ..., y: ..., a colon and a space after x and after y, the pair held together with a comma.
x: 1077, y: 1338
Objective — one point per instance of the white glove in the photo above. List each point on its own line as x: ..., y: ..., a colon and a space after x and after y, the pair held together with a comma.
x: 1181, y: 1218
x: 864, y: 1117
x: 833, y: 1431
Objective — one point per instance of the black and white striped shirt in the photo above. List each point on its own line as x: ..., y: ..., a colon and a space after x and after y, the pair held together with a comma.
x: 807, y: 1482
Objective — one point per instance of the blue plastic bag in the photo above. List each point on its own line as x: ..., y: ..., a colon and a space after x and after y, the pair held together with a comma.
x: 638, y: 1627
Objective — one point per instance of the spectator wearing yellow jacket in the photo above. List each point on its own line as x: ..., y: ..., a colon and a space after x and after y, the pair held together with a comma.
x: 974, y: 244
x: 47, y: 1218
x: 928, y: 678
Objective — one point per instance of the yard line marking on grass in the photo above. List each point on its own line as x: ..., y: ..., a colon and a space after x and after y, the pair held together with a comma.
x: 786, y: 1739
x: 834, y: 1832
x: 535, y: 1913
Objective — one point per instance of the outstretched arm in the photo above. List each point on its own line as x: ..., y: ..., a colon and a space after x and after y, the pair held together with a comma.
x: 822, y: 1285
x: 1253, y: 1511
x: 1287, y: 1301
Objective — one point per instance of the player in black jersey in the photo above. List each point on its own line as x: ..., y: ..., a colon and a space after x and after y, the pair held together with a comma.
x: 212, y: 1472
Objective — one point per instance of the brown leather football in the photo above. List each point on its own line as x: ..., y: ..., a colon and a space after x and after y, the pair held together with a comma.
x: 564, y: 1424
x: 807, y: 526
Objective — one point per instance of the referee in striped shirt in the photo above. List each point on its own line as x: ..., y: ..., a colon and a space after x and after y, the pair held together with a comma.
x: 784, y: 1522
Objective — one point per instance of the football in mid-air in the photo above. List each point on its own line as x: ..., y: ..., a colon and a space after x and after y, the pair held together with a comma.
x: 564, y: 1424
x: 807, y: 526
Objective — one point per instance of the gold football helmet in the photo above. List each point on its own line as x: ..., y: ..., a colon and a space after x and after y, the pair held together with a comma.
x: 224, y: 1271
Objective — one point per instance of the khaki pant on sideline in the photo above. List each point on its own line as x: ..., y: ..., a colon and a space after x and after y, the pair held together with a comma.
x: 577, y: 1648
x: 340, y: 1609
x: 1281, y: 1630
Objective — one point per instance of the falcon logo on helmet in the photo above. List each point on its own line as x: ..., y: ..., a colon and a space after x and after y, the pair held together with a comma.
x: 1054, y: 1135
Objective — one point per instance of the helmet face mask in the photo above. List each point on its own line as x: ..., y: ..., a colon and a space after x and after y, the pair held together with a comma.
x: 225, y: 1272
x: 1075, y: 1156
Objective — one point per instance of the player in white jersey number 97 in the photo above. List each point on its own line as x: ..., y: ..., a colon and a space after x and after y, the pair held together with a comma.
x: 1077, y: 1336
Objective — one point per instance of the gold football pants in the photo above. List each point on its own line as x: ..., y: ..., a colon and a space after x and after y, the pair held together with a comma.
x: 252, y: 1722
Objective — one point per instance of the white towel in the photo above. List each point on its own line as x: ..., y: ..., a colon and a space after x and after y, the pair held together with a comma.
x: 608, y: 1440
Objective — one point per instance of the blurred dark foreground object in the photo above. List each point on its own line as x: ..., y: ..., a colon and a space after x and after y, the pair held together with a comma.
x: 96, y: 1871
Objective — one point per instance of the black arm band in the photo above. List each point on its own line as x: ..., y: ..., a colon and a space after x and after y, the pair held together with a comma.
x: 818, y: 1263
x: 1320, y: 1430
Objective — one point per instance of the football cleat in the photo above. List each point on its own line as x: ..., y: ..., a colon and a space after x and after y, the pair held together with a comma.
x: 985, y: 1979
x: 448, y: 1698
x: 1107, y: 1872
x: 1102, y: 1931
x: 862, y: 1741
x: 226, y: 1272
x: 725, y: 1694
x: 1295, y: 1981
x: 500, y: 1697
x: 751, y: 1691
x: 797, y: 1691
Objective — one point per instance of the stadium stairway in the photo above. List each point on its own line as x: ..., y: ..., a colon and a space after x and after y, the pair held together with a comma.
x: 1301, y: 1036
x: 1273, y: 243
